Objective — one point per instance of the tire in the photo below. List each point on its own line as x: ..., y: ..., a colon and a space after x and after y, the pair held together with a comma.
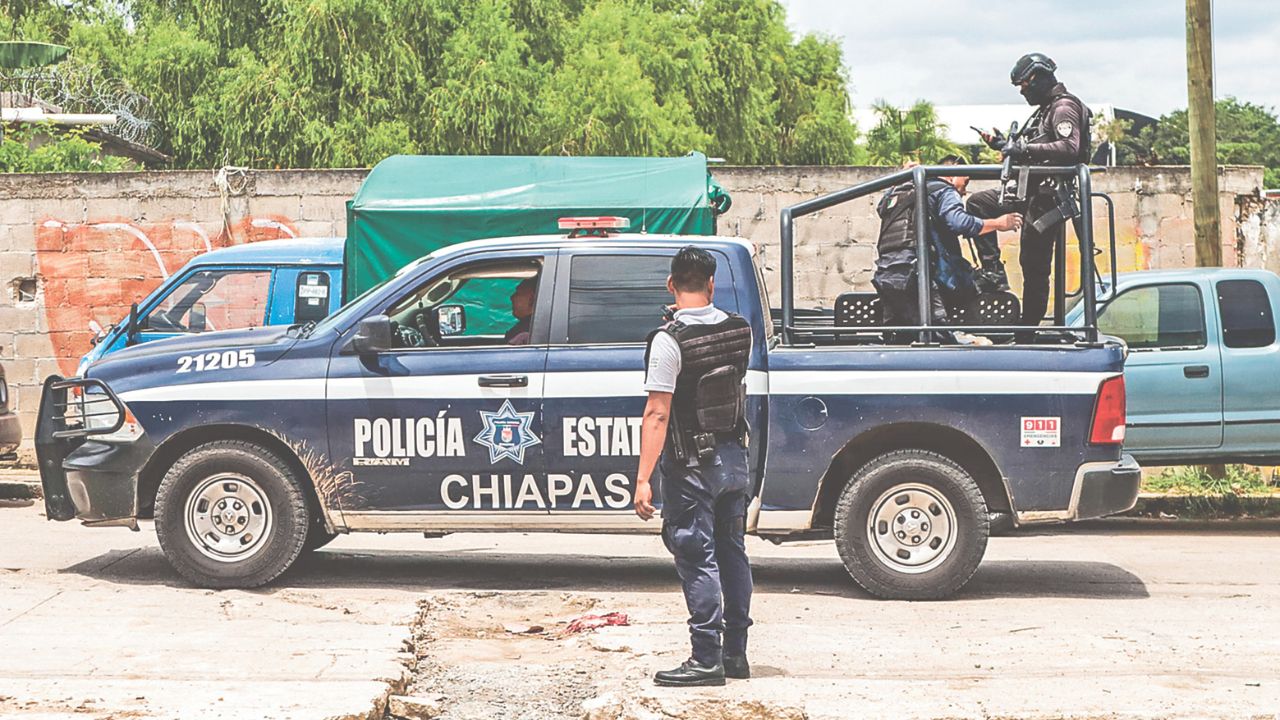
x: 941, y: 520
x: 231, y: 514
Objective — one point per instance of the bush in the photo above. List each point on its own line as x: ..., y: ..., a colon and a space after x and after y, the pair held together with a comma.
x: 43, y: 148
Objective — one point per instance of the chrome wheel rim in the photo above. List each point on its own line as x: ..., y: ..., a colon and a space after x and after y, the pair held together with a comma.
x: 912, y: 528
x: 228, y: 517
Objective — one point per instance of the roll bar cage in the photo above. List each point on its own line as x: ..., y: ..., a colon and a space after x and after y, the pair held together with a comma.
x: 918, y: 176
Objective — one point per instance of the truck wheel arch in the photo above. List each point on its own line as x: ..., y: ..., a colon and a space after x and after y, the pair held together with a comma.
x: 170, y: 450
x: 944, y: 440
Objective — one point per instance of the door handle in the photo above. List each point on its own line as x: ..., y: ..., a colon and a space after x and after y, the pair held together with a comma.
x: 506, y: 381
x: 1195, y: 371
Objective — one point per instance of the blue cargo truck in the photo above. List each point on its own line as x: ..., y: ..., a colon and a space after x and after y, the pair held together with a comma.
x: 250, y: 448
x: 407, y: 207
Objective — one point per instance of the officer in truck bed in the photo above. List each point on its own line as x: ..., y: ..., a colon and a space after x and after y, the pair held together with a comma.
x: 695, y: 417
x: 1056, y: 134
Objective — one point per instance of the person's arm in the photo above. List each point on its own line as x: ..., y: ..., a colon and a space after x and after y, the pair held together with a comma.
x: 660, y: 383
x: 954, y: 215
x: 653, y: 435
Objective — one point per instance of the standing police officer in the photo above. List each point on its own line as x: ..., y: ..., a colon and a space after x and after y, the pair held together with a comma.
x: 695, y: 418
x: 1056, y: 134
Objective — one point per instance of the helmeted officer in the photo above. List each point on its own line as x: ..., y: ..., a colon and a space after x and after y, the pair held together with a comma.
x: 695, y: 419
x: 1056, y: 134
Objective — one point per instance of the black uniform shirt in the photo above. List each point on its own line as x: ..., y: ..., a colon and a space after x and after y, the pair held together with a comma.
x: 1061, y: 137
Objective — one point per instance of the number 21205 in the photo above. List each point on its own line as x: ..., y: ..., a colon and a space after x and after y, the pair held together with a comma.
x: 228, y: 360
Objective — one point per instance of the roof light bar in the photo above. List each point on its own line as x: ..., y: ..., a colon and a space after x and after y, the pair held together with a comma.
x: 604, y: 222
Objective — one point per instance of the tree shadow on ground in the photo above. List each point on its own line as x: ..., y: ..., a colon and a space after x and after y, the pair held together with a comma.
x: 488, y: 570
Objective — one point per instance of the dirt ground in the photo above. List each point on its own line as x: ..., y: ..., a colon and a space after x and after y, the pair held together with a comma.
x: 1107, y: 621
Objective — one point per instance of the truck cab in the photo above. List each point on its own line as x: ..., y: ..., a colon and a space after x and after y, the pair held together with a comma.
x: 1203, y: 358
x: 274, y: 282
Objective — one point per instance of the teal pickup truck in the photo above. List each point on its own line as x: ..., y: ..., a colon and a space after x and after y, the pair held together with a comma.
x: 1203, y: 369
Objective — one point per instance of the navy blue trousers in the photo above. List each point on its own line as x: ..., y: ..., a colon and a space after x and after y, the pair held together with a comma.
x: 704, y: 512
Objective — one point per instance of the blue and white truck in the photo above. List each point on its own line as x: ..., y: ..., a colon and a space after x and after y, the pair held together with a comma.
x: 301, y: 280
x: 249, y: 448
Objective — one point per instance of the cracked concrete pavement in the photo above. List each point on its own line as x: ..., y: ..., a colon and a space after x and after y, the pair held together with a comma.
x: 1101, y: 622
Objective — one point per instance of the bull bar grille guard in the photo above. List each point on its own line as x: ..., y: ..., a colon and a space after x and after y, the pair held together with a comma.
x: 71, y: 417
x: 62, y: 426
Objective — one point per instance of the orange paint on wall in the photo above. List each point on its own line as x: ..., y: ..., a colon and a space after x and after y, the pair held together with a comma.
x: 91, y: 272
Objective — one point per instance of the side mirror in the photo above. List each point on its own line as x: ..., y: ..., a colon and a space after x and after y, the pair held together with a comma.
x: 198, y: 322
x: 452, y: 319
x: 131, y: 330
x: 373, y: 335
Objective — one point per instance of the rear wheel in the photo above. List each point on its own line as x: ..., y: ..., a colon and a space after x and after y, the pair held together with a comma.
x: 911, y: 525
x: 231, y: 514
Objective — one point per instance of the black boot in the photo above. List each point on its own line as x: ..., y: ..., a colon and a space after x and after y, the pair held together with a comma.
x: 736, y: 667
x: 690, y: 674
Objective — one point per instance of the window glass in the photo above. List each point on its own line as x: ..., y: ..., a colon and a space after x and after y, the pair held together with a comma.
x: 764, y: 304
x: 1156, y: 316
x: 311, y: 297
x: 213, y: 300
x: 617, y: 298
x: 1246, y: 314
x: 496, y: 301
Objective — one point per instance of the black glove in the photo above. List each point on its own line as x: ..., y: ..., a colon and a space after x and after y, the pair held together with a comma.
x: 1016, y: 149
x: 994, y: 139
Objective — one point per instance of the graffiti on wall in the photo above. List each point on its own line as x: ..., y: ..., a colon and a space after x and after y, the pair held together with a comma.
x: 92, y: 272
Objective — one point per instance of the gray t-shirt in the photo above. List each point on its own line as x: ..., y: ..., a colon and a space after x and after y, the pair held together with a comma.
x: 664, y: 352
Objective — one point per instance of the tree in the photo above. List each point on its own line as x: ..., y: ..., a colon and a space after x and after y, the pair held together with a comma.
x: 43, y: 148
x: 483, y: 102
x: 813, y: 111
x: 913, y: 133
x: 1248, y: 134
x: 326, y: 83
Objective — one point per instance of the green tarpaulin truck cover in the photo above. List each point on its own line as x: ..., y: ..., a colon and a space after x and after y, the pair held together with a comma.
x: 411, y: 205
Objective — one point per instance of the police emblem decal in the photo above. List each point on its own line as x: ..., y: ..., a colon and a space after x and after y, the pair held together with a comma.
x: 1064, y: 128
x: 506, y: 433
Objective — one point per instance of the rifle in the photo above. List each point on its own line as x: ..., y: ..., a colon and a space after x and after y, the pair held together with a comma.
x: 1011, y: 192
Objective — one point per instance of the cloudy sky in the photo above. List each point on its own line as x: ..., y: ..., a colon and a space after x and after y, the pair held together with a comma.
x: 1130, y: 53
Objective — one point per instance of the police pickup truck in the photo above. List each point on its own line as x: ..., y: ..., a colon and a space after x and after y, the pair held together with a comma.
x: 251, y: 447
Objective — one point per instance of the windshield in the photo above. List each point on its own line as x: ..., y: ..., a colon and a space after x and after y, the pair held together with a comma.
x: 340, y: 316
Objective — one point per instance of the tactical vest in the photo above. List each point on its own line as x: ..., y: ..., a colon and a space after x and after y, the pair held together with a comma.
x: 1040, y: 121
x: 897, y: 211
x: 709, y: 402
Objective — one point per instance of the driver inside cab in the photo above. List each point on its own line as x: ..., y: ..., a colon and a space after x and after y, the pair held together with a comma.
x: 522, y: 309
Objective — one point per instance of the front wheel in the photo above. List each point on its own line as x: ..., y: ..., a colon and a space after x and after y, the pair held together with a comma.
x: 911, y: 525
x: 231, y: 514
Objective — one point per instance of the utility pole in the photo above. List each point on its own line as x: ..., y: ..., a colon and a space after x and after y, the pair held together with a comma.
x: 1202, y: 123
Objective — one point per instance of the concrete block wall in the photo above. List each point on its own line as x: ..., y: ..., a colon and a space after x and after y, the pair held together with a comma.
x: 77, y: 249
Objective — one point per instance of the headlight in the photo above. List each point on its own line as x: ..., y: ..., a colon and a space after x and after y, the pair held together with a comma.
x: 97, y: 412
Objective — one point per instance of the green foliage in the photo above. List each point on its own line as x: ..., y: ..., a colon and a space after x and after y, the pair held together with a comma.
x: 1194, y: 480
x: 326, y: 83
x: 29, y: 148
x: 911, y: 134
x: 1247, y: 133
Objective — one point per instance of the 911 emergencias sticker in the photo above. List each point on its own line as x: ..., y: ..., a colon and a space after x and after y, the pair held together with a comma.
x: 1041, y: 432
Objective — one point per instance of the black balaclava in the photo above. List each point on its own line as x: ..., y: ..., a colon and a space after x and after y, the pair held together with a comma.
x: 1039, y: 90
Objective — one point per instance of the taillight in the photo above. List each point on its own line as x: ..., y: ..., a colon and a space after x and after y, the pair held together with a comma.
x: 1108, y: 413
